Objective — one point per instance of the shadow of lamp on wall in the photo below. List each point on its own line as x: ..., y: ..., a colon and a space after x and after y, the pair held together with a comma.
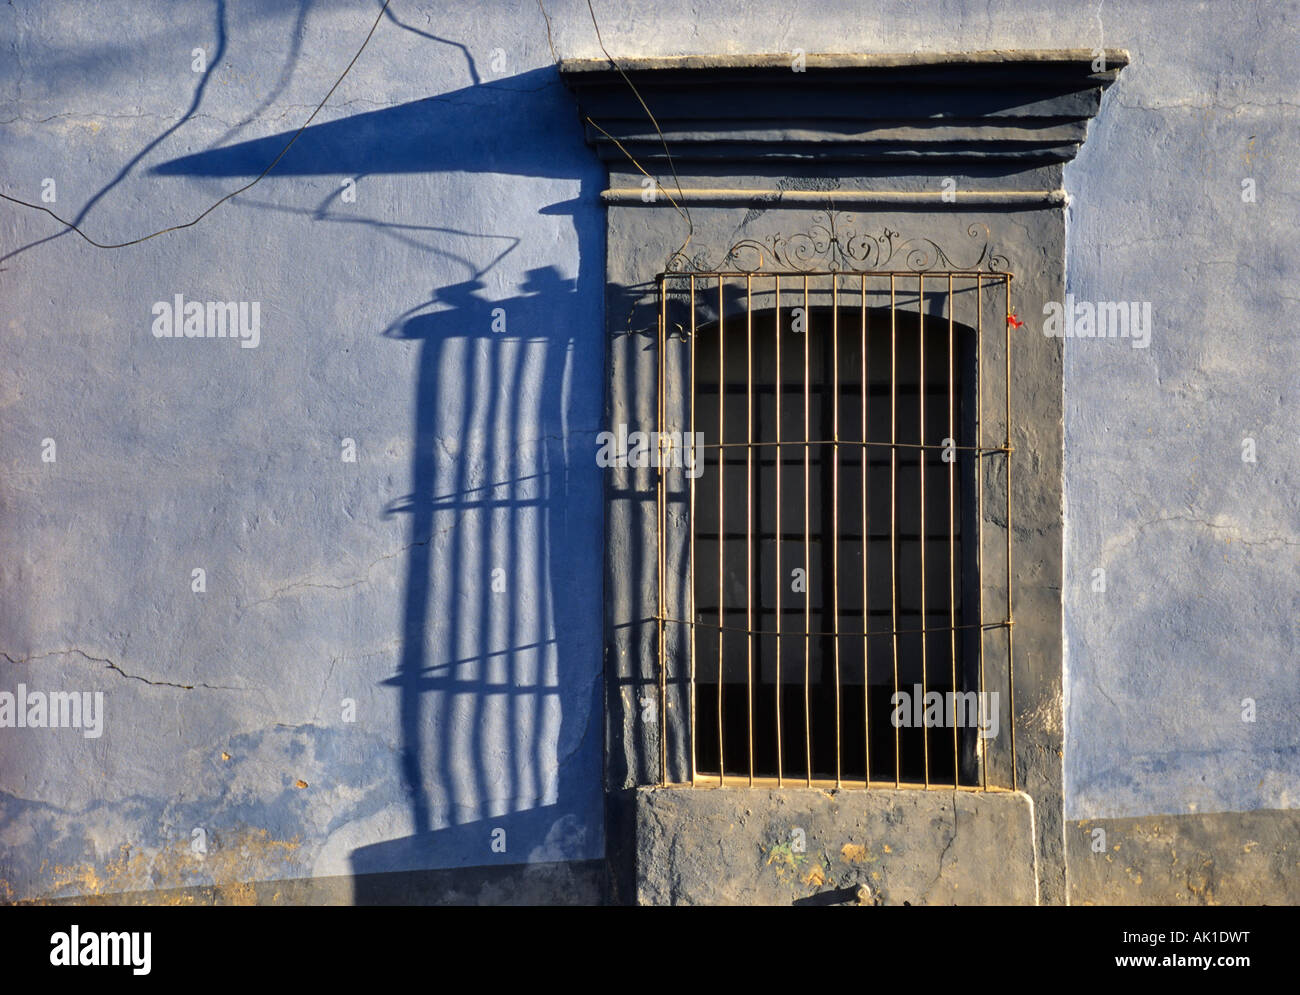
x: 498, y: 700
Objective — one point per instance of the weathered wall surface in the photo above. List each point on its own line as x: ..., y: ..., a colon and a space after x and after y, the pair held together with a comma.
x: 1224, y: 858
x: 393, y: 658
x: 804, y: 846
x: 373, y: 581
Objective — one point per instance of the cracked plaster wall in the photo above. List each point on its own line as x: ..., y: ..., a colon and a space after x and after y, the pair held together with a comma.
x: 326, y: 581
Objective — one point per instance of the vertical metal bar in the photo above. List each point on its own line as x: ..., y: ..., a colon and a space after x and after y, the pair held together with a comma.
x: 807, y: 545
x: 952, y: 513
x: 698, y: 455
x: 780, y: 579
x: 866, y: 670
x: 722, y: 534
x: 1011, y: 622
x: 979, y: 498
x: 749, y: 515
x: 893, y: 503
x: 835, y: 505
x: 920, y: 404
x: 662, y: 539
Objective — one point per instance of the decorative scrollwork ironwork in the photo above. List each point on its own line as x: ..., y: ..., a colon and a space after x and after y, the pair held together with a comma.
x: 834, y: 243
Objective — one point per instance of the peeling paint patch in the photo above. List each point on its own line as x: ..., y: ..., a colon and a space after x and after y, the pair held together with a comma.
x: 854, y: 853
x: 234, y: 861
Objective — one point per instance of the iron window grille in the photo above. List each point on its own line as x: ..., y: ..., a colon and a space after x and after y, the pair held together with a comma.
x: 845, y: 450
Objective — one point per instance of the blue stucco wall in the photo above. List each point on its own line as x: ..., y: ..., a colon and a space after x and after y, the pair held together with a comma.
x: 477, y: 708
x: 475, y: 691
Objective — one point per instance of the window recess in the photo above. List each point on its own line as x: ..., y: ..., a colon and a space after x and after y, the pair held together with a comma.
x: 832, y: 611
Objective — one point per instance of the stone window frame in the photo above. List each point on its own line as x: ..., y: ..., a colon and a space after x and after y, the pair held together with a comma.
x: 746, y: 146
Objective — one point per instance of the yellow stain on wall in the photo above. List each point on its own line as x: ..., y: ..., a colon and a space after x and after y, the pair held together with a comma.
x: 854, y: 853
x: 235, y: 860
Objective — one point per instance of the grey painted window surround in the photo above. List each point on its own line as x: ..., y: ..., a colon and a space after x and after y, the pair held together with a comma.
x: 960, y: 155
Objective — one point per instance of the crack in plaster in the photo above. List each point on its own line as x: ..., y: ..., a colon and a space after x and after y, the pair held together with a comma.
x: 1111, y: 547
x: 113, y: 666
x: 343, y: 587
x: 948, y: 846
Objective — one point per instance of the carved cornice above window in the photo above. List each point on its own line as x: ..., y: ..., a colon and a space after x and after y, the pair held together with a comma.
x: 990, y: 115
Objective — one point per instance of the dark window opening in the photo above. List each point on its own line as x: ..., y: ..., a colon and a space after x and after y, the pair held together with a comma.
x: 838, y: 569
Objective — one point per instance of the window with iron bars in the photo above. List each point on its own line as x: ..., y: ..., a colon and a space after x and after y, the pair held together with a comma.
x: 834, y: 538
